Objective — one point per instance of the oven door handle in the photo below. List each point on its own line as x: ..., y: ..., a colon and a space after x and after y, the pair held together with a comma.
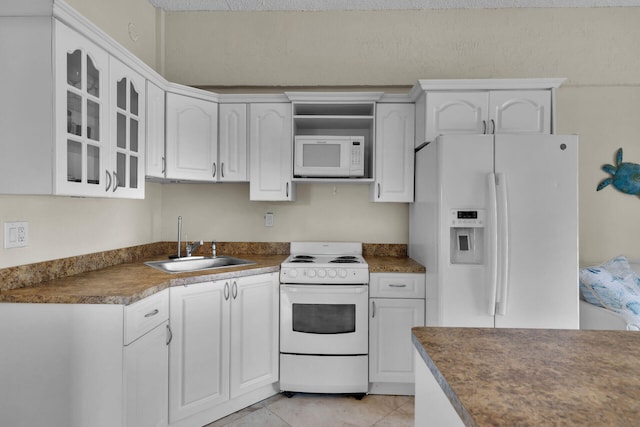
x: 324, y: 289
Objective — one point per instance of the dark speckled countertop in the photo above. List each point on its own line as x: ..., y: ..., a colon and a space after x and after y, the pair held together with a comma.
x: 128, y: 282
x: 534, y: 377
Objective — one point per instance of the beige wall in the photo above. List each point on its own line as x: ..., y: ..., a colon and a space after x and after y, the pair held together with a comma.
x: 60, y: 227
x: 595, y: 48
x: 115, y: 16
x: 322, y: 212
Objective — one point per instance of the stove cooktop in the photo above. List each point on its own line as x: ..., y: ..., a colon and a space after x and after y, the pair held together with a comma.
x: 325, y: 263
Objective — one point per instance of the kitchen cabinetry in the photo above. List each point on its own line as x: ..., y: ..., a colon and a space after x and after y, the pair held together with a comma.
x: 224, y: 353
x: 79, y: 365
x: 155, y: 155
x: 232, y: 143
x: 397, y: 303
x: 146, y: 362
x: 271, y: 147
x: 191, y: 138
x: 70, y: 133
x: 82, y: 89
x: 394, y: 153
x: 484, y: 106
x: 127, y: 118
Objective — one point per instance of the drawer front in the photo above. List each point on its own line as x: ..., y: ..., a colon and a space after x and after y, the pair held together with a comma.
x: 397, y: 285
x: 144, y: 315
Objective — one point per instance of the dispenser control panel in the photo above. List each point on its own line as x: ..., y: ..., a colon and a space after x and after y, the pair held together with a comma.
x: 467, y: 218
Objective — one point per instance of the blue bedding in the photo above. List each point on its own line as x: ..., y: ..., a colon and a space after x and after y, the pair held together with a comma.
x: 615, y: 286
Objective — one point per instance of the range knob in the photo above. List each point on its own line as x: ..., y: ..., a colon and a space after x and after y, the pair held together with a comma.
x: 292, y: 272
x: 322, y: 273
x: 342, y: 273
x: 331, y: 273
x: 311, y: 273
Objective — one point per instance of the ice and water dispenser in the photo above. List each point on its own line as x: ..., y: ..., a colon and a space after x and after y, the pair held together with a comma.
x: 467, y: 236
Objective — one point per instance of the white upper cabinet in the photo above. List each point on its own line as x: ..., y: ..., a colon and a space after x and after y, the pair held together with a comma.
x: 271, y: 147
x: 191, y: 138
x: 394, y: 153
x: 520, y: 111
x: 82, y: 89
x: 484, y: 107
x: 232, y: 143
x: 155, y: 131
x: 127, y: 120
x: 74, y: 112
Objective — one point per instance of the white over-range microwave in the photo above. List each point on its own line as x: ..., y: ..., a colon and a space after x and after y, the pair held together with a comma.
x: 328, y: 156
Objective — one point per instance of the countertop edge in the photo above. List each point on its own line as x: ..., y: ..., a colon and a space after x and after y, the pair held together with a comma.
x: 442, y: 382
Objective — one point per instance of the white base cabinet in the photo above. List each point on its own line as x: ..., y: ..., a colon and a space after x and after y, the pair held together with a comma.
x: 76, y: 365
x: 224, y: 352
x: 396, y: 305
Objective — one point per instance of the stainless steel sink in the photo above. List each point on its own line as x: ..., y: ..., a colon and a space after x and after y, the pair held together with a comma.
x: 196, y: 263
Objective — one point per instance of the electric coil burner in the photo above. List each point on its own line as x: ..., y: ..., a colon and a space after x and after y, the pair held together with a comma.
x: 324, y: 330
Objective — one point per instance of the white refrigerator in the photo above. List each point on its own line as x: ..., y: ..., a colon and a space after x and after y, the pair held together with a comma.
x: 495, y: 222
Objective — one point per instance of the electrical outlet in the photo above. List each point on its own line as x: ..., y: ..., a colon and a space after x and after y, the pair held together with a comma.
x: 268, y: 219
x: 16, y: 234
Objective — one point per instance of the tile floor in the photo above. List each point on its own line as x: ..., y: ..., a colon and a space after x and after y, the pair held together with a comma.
x: 320, y: 410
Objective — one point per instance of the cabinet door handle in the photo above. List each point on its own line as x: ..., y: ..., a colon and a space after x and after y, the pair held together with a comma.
x: 373, y: 309
x: 116, y: 182
x: 152, y: 313
x: 235, y: 289
x: 169, y: 334
x: 378, y: 190
x: 226, y: 291
x: 493, y: 127
x: 287, y: 190
x: 108, y: 181
x: 484, y: 127
x: 221, y: 169
x: 397, y: 285
x: 213, y: 175
x: 164, y: 164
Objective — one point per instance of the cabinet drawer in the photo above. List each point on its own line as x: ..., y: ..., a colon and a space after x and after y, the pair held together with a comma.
x: 144, y: 315
x: 397, y: 285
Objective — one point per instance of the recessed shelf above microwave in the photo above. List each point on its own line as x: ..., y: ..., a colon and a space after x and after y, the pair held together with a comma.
x: 338, y: 119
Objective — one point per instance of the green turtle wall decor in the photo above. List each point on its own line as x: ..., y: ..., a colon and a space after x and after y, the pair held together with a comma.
x: 624, y: 177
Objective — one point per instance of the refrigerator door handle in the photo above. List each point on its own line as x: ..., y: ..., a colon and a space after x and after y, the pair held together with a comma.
x: 503, y: 233
x: 492, y: 240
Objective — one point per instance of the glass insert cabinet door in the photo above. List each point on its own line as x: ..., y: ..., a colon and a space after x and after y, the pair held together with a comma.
x: 81, y: 94
x: 127, y: 124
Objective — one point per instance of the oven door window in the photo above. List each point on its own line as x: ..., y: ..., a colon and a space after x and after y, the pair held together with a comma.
x: 324, y: 318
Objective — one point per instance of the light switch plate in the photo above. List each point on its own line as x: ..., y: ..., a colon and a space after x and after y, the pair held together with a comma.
x: 16, y: 234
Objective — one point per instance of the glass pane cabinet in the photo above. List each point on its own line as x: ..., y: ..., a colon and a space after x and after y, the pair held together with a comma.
x: 127, y: 100
x: 99, y: 121
x: 81, y: 70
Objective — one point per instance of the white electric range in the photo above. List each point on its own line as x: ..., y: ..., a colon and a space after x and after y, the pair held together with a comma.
x: 324, y: 342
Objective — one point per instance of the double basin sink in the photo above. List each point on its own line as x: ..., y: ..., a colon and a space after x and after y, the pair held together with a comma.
x: 196, y: 263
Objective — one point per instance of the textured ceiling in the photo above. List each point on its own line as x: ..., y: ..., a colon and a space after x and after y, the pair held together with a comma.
x: 247, y: 5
